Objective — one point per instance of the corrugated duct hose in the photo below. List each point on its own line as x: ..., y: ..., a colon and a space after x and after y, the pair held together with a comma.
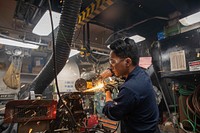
x: 69, y: 14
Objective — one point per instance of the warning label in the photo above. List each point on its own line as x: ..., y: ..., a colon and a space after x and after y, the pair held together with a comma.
x: 194, y: 65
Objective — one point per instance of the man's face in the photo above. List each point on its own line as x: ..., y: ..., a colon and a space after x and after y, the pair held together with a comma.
x: 117, y: 64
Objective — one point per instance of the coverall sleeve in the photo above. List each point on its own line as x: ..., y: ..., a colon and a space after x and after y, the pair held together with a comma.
x: 121, y: 106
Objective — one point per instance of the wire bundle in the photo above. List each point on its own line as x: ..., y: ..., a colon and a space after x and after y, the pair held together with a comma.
x: 186, y: 91
x: 196, y: 100
x: 192, y: 114
x: 191, y: 106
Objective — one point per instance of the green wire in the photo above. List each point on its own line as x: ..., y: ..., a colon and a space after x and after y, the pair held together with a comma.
x: 192, y: 123
x: 188, y: 91
x: 185, y: 92
x: 194, y: 129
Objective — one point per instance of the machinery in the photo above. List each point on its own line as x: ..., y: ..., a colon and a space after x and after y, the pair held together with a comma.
x: 31, y: 115
x: 82, y: 111
x: 176, y: 65
x: 74, y: 112
x: 174, y: 49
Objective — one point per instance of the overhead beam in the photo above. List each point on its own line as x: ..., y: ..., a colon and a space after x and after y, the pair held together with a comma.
x: 93, y: 10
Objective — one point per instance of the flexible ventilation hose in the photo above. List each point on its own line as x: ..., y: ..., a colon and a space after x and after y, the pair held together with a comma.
x: 69, y: 14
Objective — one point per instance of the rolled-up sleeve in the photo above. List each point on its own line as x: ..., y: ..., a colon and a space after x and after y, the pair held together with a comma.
x: 120, y: 106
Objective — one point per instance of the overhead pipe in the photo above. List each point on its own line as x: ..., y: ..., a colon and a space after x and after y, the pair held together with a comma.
x: 69, y: 14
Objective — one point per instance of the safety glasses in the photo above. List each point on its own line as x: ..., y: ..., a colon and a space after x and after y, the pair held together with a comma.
x: 115, y: 61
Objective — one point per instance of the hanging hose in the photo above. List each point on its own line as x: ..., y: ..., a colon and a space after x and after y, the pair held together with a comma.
x: 196, y: 105
x: 69, y: 13
x: 192, y: 119
x: 196, y: 100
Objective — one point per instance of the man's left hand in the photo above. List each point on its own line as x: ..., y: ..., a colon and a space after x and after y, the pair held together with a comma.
x: 109, y: 87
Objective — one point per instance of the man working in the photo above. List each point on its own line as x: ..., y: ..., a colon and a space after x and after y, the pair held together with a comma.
x: 135, y: 105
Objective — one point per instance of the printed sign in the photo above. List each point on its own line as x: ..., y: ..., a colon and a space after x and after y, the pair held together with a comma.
x: 145, y: 62
x: 177, y: 60
x: 7, y: 96
x: 194, y: 65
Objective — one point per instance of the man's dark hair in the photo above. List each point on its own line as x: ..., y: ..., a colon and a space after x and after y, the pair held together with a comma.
x: 125, y: 48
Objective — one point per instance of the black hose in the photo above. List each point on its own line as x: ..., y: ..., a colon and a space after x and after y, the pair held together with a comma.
x: 69, y: 14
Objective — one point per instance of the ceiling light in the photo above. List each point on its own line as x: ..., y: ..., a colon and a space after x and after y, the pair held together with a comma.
x: 73, y: 52
x: 43, y: 27
x: 137, y: 38
x: 189, y: 20
x: 16, y: 43
x: 100, y: 53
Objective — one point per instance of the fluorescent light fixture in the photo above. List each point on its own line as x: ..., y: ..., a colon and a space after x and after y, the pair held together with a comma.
x: 137, y: 38
x: 73, y: 52
x: 191, y: 19
x: 43, y: 27
x: 100, y: 53
x: 10, y: 42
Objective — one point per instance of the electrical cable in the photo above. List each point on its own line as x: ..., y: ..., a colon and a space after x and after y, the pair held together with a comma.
x: 104, y: 60
x: 190, y: 91
x: 194, y: 108
x: 143, y: 21
x: 55, y: 72
x: 122, y: 32
x: 55, y: 66
x: 78, y: 34
x: 188, y: 121
x: 196, y: 100
x: 165, y: 101
x: 186, y: 114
